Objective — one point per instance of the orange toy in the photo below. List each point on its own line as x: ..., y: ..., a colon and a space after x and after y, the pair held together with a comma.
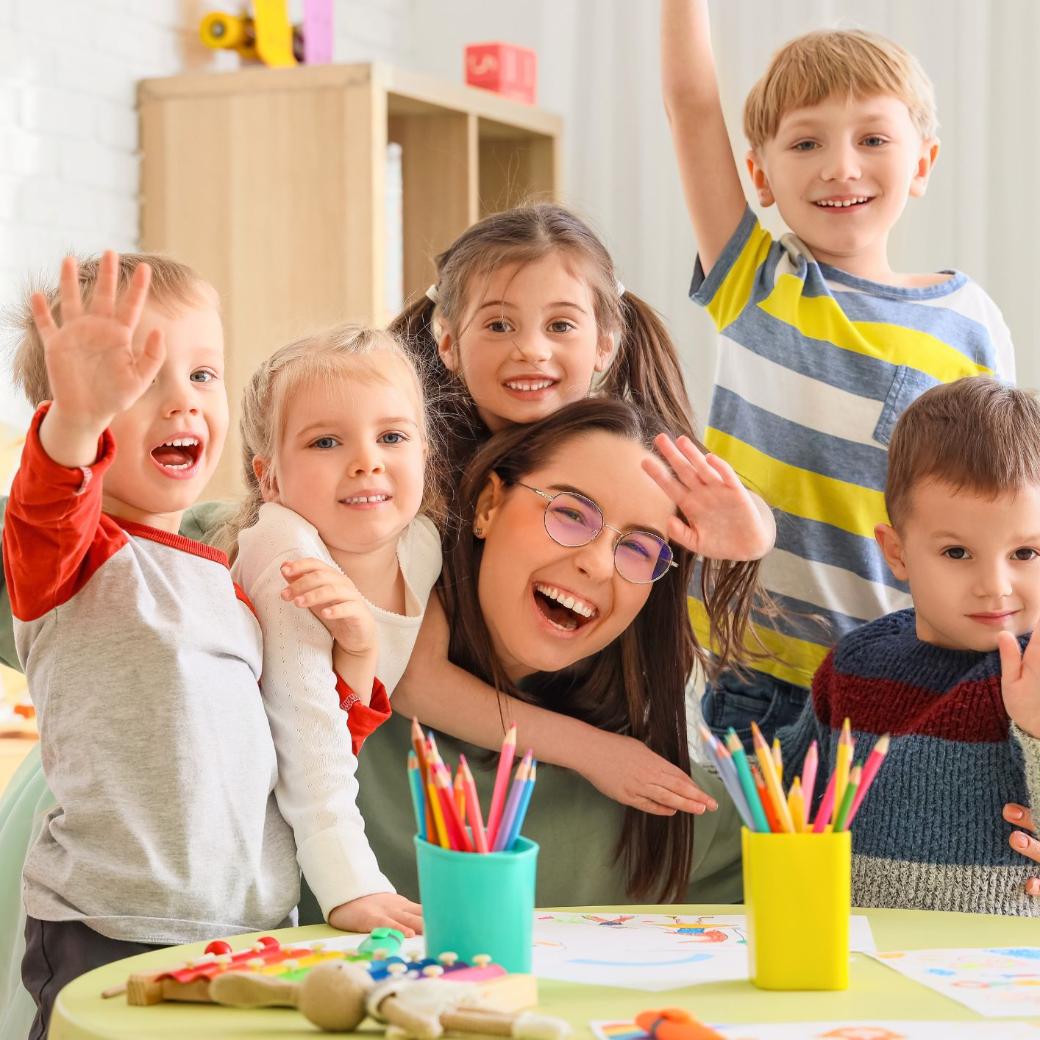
x: 674, y: 1024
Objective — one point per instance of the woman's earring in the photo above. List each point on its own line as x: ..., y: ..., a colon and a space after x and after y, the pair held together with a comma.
x: 478, y: 531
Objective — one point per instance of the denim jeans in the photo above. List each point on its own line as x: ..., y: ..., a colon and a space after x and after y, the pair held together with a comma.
x: 737, y: 699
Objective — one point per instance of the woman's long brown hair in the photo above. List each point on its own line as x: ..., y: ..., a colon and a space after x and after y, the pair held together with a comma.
x: 637, y: 684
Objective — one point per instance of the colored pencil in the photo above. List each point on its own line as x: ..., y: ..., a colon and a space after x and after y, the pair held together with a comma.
x: 843, y: 762
x: 778, y: 759
x: 439, y: 829
x: 498, y: 795
x: 747, y: 783
x: 460, y: 794
x: 775, y: 826
x: 768, y: 767
x: 796, y: 805
x: 841, y: 820
x: 870, y: 768
x: 456, y: 829
x: 521, y: 809
x: 418, y: 797
x: 809, y: 767
x: 458, y: 839
x: 476, y: 823
x: 420, y: 753
x: 823, y: 815
x: 512, y: 803
x: 728, y: 775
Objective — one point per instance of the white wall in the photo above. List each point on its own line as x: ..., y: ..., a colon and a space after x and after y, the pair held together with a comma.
x: 68, y: 130
x: 68, y: 122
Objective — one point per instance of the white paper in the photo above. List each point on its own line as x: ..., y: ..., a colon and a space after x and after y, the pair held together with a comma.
x: 992, y: 981
x: 650, y: 951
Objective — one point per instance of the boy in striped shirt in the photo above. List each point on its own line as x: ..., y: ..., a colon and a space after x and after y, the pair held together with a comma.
x: 823, y: 343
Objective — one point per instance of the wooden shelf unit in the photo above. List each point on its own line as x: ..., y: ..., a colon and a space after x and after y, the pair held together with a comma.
x: 271, y: 183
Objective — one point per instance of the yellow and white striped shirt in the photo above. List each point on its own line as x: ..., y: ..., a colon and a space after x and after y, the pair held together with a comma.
x: 815, y: 367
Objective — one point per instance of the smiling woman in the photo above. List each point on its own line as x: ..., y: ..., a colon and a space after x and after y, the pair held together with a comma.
x: 579, y: 609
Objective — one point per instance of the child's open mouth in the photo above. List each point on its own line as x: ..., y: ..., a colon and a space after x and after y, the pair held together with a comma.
x: 561, y: 609
x: 178, y: 456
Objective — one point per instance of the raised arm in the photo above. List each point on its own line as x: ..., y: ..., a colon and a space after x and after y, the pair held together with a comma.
x: 709, y: 174
x: 444, y: 696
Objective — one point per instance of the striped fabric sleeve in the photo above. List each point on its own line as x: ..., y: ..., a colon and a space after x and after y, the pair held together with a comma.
x: 728, y: 287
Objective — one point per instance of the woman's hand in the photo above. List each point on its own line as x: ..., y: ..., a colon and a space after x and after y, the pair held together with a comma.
x: 627, y: 771
x: 334, y: 600
x: 1024, y: 840
x: 723, y: 520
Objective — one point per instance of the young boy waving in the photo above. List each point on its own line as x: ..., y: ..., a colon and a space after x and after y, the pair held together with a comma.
x: 142, y: 656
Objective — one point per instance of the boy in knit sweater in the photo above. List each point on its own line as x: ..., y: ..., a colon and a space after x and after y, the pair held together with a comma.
x: 143, y: 657
x: 955, y: 680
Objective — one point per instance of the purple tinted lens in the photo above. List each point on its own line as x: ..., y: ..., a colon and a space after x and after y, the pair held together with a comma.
x: 572, y: 521
x: 642, y: 557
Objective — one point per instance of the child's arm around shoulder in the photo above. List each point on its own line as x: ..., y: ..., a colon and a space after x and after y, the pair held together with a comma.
x: 710, y: 178
x: 442, y: 695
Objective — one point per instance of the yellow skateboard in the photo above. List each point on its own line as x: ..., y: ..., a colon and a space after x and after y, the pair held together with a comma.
x: 267, y: 35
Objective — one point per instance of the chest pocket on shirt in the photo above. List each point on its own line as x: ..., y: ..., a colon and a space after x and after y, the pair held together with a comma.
x: 907, y: 385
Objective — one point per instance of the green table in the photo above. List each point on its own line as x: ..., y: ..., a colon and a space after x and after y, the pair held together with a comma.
x: 875, y: 992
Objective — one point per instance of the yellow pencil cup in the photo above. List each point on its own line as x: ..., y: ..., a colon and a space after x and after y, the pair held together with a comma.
x: 798, y: 893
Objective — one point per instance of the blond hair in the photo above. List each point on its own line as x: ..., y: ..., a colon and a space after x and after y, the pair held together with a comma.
x: 172, y: 284
x: 975, y: 434
x: 848, y: 63
x: 344, y: 350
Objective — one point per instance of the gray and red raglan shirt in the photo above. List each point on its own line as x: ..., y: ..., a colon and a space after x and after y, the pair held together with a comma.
x: 929, y: 833
x: 143, y: 660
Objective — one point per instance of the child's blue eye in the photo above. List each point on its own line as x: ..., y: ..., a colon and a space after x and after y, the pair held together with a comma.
x: 500, y: 325
x: 392, y: 437
x: 874, y: 140
x: 203, y: 375
x: 804, y: 146
x: 561, y: 326
x: 324, y: 443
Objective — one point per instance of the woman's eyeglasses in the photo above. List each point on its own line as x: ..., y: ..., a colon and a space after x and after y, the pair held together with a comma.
x: 572, y: 520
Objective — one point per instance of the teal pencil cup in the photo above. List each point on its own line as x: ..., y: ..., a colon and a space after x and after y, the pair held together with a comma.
x: 479, y: 902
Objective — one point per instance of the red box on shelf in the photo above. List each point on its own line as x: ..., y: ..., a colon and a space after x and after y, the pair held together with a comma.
x: 504, y: 68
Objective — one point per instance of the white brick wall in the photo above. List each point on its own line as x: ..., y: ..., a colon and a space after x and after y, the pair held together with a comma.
x: 68, y: 126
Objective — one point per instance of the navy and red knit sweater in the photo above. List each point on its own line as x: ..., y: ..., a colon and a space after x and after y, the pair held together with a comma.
x: 929, y: 834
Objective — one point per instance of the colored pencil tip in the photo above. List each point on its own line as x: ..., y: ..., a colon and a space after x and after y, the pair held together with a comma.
x: 881, y: 747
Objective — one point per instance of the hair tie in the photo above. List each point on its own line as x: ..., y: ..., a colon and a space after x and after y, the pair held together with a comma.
x: 432, y: 295
x: 620, y: 290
